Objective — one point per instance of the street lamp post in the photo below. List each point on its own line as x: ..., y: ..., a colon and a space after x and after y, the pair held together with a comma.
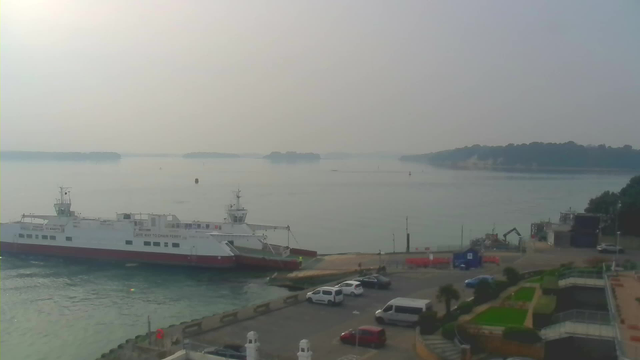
x: 617, y: 245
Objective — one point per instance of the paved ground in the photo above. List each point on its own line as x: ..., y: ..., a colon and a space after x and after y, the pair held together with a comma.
x: 281, y: 331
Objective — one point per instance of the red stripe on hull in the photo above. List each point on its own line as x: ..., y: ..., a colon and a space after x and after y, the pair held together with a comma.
x: 120, y: 255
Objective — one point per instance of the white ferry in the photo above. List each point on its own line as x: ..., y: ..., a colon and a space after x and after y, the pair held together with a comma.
x: 150, y: 238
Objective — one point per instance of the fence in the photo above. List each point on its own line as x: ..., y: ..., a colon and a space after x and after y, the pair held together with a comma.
x: 583, y: 316
x: 582, y: 273
x: 575, y: 328
x: 625, y: 349
x: 426, y: 262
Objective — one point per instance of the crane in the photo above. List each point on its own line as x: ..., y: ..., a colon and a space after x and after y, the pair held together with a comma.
x: 509, y: 232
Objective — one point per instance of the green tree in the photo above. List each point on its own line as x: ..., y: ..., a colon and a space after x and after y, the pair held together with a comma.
x: 446, y: 294
x: 605, y: 204
x: 512, y: 275
x: 630, y: 195
x: 622, y: 208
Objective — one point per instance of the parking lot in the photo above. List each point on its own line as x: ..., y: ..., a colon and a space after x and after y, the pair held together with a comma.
x: 281, y: 331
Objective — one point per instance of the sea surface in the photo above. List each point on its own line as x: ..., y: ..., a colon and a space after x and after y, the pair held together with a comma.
x: 58, y: 309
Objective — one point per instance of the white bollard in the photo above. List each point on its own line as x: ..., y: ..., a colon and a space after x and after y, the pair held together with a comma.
x: 252, y: 345
x: 305, y: 350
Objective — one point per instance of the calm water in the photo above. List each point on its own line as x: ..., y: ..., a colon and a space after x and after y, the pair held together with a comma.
x: 54, y: 309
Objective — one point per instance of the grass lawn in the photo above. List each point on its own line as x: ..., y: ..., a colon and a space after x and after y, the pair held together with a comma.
x: 535, y: 280
x: 499, y: 316
x: 524, y: 294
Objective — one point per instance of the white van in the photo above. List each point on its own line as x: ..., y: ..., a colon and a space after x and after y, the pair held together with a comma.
x: 326, y: 295
x: 402, y: 311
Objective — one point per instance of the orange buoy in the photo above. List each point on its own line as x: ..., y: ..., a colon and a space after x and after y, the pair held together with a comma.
x: 159, y: 334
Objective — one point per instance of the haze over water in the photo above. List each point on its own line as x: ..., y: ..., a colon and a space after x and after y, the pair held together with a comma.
x: 356, y: 208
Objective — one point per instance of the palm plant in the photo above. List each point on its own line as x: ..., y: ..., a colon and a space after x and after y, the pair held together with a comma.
x: 447, y: 293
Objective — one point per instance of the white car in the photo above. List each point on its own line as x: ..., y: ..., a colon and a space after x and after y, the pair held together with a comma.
x: 352, y: 288
x: 610, y: 248
x: 326, y: 295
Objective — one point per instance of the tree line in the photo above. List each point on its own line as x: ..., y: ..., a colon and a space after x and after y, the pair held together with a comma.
x: 535, y: 154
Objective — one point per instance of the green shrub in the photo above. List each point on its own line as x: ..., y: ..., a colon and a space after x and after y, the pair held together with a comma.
x: 500, y: 286
x: 483, y: 292
x: 428, y: 322
x: 465, y: 307
x: 546, y: 305
x: 512, y: 275
x: 549, y: 285
x: 449, y: 317
x: 449, y: 331
x: 521, y: 334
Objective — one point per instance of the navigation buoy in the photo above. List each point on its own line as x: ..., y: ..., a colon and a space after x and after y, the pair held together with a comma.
x: 197, y: 181
x: 132, y: 289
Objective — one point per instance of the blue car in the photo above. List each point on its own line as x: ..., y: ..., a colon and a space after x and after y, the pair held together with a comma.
x: 471, y: 283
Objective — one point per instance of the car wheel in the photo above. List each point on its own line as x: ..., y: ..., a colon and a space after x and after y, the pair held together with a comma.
x: 330, y: 303
x: 380, y: 320
x: 353, y: 293
x: 310, y: 300
x: 377, y: 286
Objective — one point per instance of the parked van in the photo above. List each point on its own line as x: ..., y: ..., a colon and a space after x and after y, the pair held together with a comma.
x: 402, y: 311
x: 326, y: 295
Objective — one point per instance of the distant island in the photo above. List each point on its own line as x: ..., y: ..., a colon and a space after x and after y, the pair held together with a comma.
x: 292, y: 156
x: 58, y: 156
x: 535, y: 155
x: 210, y: 155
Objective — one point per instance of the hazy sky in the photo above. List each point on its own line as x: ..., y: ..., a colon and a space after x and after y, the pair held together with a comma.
x: 359, y: 76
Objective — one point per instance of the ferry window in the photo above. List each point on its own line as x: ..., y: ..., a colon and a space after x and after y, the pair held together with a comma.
x: 175, y: 245
x: 21, y: 235
x: 147, y: 243
x: 52, y: 237
x: 198, y: 226
x: 29, y: 236
x: 69, y: 238
x: 166, y: 244
x: 45, y: 237
x: 156, y: 243
x: 207, y: 226
x: 36, y: 236
x: 128, y: 242
x: 153, y: 221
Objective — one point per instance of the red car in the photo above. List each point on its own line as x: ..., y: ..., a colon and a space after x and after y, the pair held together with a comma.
x: 372, y: 336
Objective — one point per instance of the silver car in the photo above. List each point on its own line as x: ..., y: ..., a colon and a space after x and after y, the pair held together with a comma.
x: 610, y: 248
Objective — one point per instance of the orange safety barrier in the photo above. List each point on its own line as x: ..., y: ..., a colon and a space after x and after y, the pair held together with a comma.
x: 426, y: 262
x: 491, y: 259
